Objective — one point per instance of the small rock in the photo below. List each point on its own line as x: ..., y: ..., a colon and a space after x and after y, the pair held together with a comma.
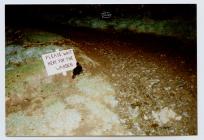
x: 167, y: 88
x: 148, y: 71
x: 122, y: 121
x: 172, y: 131
x: 134, y: 112
x: 178, y: 118
x: 153, y: 82
x: 165, y: 115
x: 182, y: 62
x: 162, y: 55
x: 145, y: 117
x: 185, y: 114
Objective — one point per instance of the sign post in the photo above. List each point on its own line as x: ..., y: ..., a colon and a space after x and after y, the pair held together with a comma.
x: 59, y: 62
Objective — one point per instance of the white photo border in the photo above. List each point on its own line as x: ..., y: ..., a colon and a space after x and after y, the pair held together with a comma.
x: 200, y: 65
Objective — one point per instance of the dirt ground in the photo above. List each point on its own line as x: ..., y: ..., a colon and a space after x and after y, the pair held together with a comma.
x: 131, y: 85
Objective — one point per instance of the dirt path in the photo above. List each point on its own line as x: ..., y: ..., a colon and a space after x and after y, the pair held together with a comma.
x: 155, y: 81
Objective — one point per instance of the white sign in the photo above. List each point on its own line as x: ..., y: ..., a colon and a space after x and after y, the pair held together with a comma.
x: 59, y: 61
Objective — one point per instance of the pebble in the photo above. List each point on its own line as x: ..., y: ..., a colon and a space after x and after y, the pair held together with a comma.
x: 178, y: 118
x: 167, y: 88
x: 145, y: 117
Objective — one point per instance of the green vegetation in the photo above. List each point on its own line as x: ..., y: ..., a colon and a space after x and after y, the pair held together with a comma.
x: 41, y: 36
x: 176, y: 28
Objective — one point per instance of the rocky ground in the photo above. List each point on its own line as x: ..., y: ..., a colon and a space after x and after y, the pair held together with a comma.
x: 128, y: 87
